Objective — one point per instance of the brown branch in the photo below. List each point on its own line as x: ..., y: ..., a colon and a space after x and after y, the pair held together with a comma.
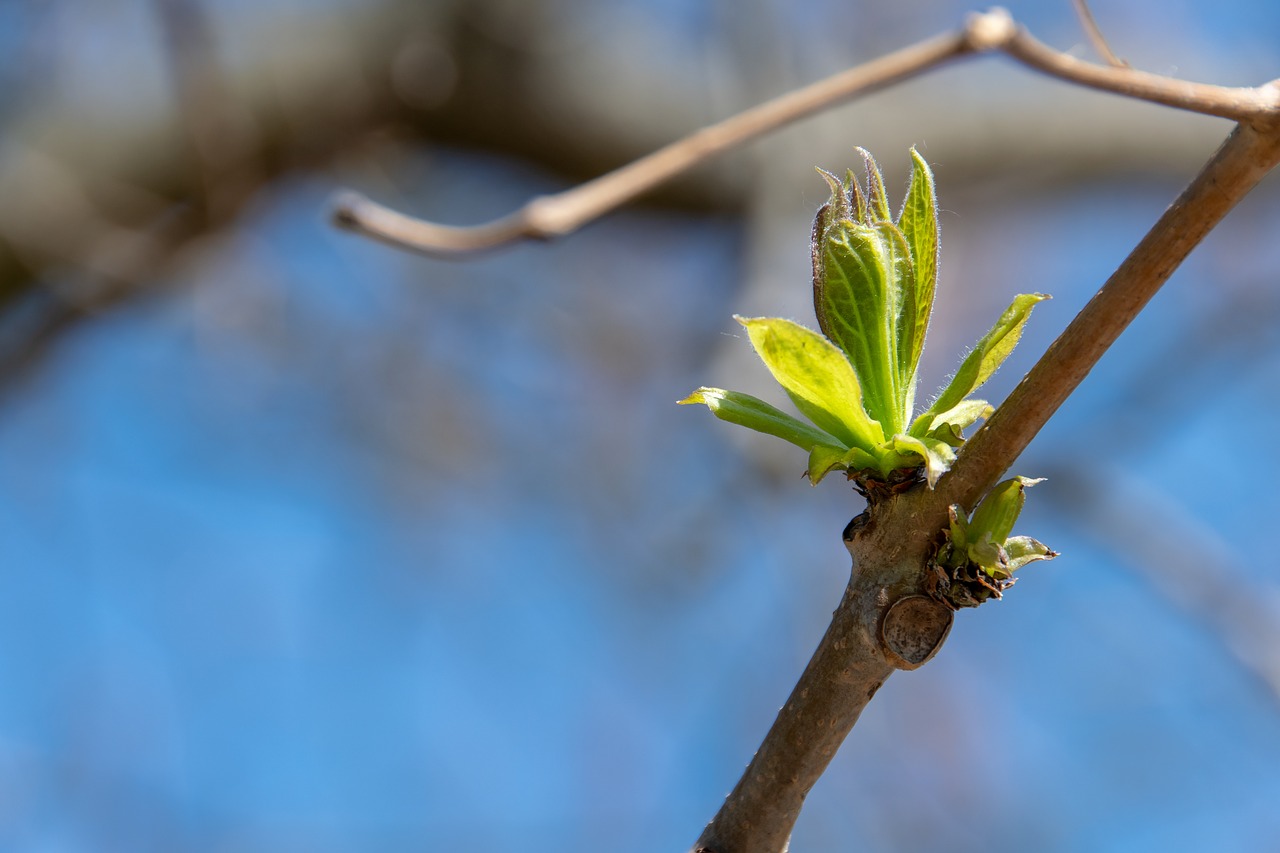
x: 1094, y: 32
x: 892, y: 545
x: 556, y: 215
x: 883, y: 623
x: 886, y: 619
x: 1243, y: 160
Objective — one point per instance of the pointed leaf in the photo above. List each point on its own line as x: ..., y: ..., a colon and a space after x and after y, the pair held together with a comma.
x: 918, y: 223
x: 988, y: 554
x: 816, y: 376
x: 959, y: 525
x: 937, y: 455
x: 855, y: 298
x: 756, y: 414
x: 902, y: 312
x: 857, y: 459
x: 822, y: 459
x: 877, y: 201
x: 989, y: 354
x: 999, y: 510
x: 1024, y: 549
x: 951, y: 422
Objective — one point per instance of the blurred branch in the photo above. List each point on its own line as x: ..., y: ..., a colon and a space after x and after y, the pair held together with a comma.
x: 220, y: 133
x: 1092, y: 30
x: 1180, y: 556
x: 556, y: 215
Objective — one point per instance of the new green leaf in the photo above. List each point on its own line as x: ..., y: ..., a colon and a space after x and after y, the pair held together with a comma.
x: 989, y: 354
x: 753, y: 413
x: 816, y: 376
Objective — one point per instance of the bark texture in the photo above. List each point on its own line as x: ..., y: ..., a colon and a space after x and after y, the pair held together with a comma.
x: 885, y: 621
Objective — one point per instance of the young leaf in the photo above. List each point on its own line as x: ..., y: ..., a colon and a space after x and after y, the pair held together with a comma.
x: 1023, y: 549
x: 822, y: 459
x: 949, y: 424
x: 918, y: 223
x: 817, y: 377
x: 989, y: 554
x: 877, y: 201
x: 937, y: 455
x: 1000, y: 508
x: 902, y: 308
x: 988, y: 355
x: 756, y: 414
x: 959, y: 523
x: 854, y: 296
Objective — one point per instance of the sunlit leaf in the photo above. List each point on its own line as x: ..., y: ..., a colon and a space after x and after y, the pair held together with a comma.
x: 988, y: 554
x: 937, y: 455
x: 918, y: 223
x: 756, y: 414
x: 999, y: 510
x: 822, y: 459
x: 855, y: 295
x: 989, y: 354
x: 959, y: 417
x: 817, y: 377
x: 877, y: 200
x: 1023, y: 549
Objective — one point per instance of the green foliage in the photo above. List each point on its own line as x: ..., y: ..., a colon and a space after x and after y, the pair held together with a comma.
x: 979, y: 556
x: 873, y: 289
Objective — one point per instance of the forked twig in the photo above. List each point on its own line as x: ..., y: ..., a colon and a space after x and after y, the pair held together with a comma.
x: 1094, y: 32
x: 555, y: 215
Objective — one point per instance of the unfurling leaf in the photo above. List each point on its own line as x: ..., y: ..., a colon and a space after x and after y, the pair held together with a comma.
x: 937, y: 455
x: 816, y: 376
x: 855, y: 295
x: 1000, y: 508
x: 874, y: 280
x: 948, y: 425
x: 989, y: 353
x: 756, y: 414
x: 918, y: 223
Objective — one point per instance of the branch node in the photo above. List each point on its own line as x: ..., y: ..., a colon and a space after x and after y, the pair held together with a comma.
x: 990, y: 30
x: 913, y: 629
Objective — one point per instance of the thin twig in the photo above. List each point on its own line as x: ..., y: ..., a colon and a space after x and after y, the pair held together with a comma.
x: 1094, y: 32
x: 556, y: 215
x: 1243, y: 160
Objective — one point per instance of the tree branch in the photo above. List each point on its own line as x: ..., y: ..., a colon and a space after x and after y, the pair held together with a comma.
x: 884, y: 622
x: 887, y: 619
x: 1243, y: 160
x: 891, y: 543
x: 551, y: 216
x: 1094, y: 32
x: 556, y: 215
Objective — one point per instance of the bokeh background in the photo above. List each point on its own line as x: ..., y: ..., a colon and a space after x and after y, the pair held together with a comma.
x: 308, y: 544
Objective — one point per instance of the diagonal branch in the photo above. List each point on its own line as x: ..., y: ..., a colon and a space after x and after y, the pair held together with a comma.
x: 1242, y: 161
x: 552, y: 216
x: 890, y: 544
